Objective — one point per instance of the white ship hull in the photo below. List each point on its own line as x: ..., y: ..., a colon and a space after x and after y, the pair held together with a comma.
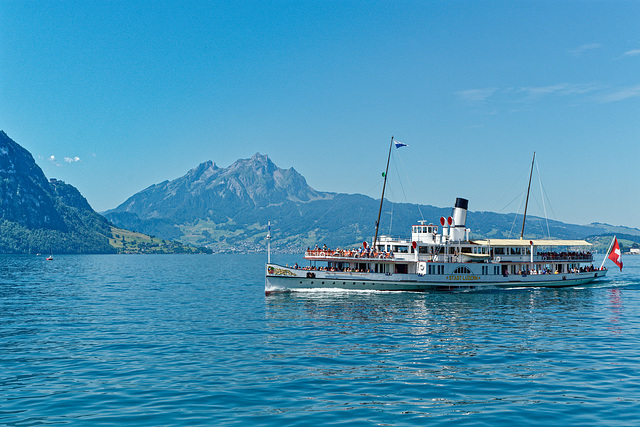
x: 282, y: 279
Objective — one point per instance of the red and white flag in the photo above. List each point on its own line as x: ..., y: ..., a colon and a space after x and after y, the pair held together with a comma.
x: 615, y: 255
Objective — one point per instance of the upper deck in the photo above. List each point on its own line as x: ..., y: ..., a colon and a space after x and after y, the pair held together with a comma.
x: 467, y: 252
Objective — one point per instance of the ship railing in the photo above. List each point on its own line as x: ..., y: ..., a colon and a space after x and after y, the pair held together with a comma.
x: 398, y: 239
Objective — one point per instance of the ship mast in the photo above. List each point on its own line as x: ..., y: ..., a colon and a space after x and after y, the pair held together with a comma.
x: 269, y: 243
x: 375, y: 238
x: 527, y: 201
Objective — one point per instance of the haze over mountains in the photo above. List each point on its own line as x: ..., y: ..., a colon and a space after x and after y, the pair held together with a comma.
x: 226, y: 210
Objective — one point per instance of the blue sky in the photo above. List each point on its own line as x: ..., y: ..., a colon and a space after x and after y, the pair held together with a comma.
x: 115, y: 96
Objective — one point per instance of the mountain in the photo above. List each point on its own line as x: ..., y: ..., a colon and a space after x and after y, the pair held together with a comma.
x: 211, y: 192
x: 221, y: 207
x: 227, y: 209
x: 38, y: 215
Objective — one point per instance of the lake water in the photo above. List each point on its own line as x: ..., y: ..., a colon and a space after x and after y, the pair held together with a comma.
x: 193, y: 340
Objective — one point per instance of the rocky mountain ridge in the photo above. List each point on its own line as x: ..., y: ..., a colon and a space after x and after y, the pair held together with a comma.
x: 210, y: 192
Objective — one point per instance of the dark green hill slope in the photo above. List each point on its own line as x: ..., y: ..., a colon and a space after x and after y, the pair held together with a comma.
x: 38, y: 215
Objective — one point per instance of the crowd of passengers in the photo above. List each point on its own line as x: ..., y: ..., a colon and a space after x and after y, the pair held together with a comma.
x: 548, y: 271
x: 564, y: 255
x: 349, y: 253
x: 313, y: 268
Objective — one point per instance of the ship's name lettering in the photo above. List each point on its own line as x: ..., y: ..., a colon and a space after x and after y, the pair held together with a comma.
x: 461, y: 277
x: 282, y: 272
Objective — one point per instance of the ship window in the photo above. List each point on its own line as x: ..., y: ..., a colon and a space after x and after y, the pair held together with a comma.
x: 402, y: 249
x: 423, y: 249
x: 462, y: 270
x: 499, y: 251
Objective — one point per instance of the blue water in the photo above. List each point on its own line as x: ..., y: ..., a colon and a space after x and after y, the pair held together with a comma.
x: 193, y: 340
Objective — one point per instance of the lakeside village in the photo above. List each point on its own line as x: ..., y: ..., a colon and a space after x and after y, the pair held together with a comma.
x: 342, y: 257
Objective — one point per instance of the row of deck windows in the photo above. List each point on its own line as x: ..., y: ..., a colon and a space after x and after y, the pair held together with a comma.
x: 433, y: 270
x: 454, y: 249
x: 424, y: 229
x: 512, y: 251
x: 439, y: 269
x: 463, y: 270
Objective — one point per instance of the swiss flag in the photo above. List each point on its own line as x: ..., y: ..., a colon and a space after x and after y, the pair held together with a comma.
x: 615, y: 254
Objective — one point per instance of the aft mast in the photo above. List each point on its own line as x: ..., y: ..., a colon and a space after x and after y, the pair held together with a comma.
x: 526, y: 204
x: 375, y: 237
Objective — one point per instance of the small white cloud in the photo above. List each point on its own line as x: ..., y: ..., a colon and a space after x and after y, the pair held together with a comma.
x: 584, y: 48
x: 632, y: 52
x: 476, y: 95
x: 558, y: 89
x: 72, y: 159
x: 543, y: 90
x: 630, y: 92
x: 52, y: 159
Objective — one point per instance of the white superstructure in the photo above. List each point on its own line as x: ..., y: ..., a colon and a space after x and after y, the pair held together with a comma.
x: 441, y: 257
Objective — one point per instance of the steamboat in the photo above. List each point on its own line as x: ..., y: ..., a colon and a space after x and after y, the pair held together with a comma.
x: 440, y: 257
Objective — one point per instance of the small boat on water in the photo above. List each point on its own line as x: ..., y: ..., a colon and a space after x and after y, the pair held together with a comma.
x: 440, y: 257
